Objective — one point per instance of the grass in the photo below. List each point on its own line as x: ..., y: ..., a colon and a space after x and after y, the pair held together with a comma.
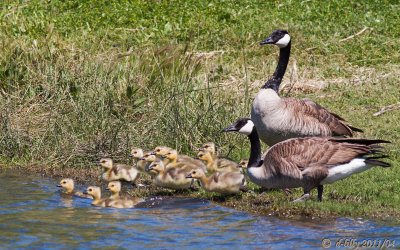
x: 80, y: 80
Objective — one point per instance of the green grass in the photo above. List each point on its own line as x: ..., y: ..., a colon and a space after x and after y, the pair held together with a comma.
x: 80, y: 80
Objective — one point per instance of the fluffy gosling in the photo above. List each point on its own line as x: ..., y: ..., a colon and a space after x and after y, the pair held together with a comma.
x: 68, y: 186
x: 115, y: 172
x: 220, y: 182
x: 121, y: 202
x: 172, y: 178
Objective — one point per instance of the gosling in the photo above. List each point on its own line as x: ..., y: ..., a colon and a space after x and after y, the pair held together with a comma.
x: 220, y: 182
x: 95, y: 192
x: 68, y: 186
x: 121, y: 202
x: 115, y: 172
x: 215, y: 164
x: 172, y: 178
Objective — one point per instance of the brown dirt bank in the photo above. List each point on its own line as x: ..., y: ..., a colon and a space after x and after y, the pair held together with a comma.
x: 255, y: 202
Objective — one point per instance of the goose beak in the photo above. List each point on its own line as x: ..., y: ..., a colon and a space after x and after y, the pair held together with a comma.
x: 142, y: 159
x: 189, y: 176
x: 268, y: 40
x: 59, y: 186
x: 231, y: 128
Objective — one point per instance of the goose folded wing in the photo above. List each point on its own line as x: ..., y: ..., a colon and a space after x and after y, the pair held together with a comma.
x: 334, y: 122
x: 314, y: 152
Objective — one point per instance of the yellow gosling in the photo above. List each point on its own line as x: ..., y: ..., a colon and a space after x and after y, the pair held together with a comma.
x: 136, y: 154
x: 172, y: 178
x: 220, y: 182
x: 215, y: 164
x: 208, y: 147
x: 181, y: 161
x: 68, y: 187
x: 115, y: 172
x: 243, y: 163
x: 121, y: 202
x: 95, y: 192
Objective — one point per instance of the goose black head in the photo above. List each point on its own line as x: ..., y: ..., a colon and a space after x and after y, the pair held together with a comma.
x: 280, y: 38
x: 242, y: 125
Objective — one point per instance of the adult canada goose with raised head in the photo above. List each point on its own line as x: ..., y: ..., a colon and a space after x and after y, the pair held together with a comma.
x: 278, y: 119
x: 308, y: 162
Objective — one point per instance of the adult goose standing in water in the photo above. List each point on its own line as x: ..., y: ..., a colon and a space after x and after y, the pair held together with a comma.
x: 308, y: 162
x: 278, y: 119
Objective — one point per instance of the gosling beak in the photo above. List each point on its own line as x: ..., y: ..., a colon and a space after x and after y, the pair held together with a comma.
x: 59, y: 185
x: 85, y: 192
x: 107, y: 189
x: 131, y: 155
x: 189, y: 176
x: 153, y: 153
x: 163, y: 156
x: 268, y: 40
x: 196, y: 158
x: 231, y: 128
x: 150, y: 168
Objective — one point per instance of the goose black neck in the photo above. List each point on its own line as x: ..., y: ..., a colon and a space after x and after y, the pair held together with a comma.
x: 276, y: 79
x: 255, y: 149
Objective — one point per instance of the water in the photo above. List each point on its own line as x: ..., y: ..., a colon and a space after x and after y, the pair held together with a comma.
x: 34, y: 215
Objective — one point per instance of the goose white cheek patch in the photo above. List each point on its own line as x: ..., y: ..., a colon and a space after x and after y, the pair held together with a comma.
x: 247, y: 129
x: 283, y: 42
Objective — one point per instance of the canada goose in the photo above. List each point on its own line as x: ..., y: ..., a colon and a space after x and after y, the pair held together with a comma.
x: 68, y: 186
x: 214, y: 164
x: 172, y: 178
x: 278, y: 119
x: 115, y: 172
x: 308, y: 162
x: 220, y: 182
x: 95, y: 192
x: 121, y: 202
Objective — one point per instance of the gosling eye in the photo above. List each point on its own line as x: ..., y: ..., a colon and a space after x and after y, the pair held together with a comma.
x: 206, y: 146
x: 90, y: 190
x: 158, y: 150
x: 194, y: 172
x: 64, y: 182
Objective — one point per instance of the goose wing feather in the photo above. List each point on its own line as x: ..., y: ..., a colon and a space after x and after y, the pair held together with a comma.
x: 313, y: 152
x: 317, y: 114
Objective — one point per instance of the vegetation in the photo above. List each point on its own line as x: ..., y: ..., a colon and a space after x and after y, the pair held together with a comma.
x: 80, y: 80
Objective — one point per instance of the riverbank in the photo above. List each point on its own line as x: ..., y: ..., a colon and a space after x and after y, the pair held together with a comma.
x: 267, y: 203
x: 80, y: 81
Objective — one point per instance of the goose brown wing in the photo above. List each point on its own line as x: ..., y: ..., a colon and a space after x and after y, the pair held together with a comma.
x: 313, y: 152
x: 334, y: 122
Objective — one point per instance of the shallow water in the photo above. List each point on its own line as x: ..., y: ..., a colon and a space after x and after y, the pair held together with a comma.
x: 34, y: 215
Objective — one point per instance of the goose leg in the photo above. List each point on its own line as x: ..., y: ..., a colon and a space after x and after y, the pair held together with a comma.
x: 306, y: 196
x: 320, y: 189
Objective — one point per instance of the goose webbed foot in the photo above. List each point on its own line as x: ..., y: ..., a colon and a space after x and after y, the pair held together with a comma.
x: 303, y: 198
